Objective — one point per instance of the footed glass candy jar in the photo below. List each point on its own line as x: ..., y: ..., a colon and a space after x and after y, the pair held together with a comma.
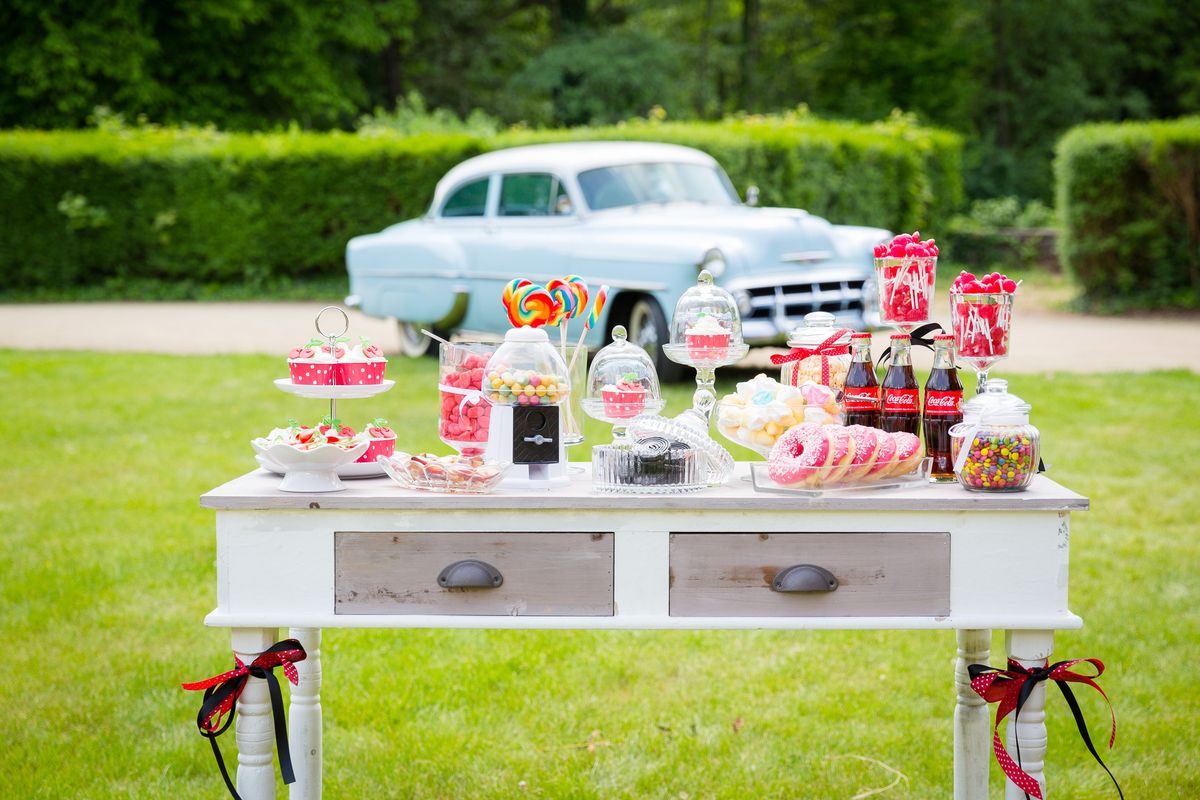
x: 621, y: 384
x: 995, y: 449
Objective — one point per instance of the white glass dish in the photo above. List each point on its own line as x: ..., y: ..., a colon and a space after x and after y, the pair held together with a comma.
x: 312, y: 470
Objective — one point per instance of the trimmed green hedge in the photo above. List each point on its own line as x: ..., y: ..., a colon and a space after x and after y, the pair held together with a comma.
x: 86, y: 207
x: 1129, y: 206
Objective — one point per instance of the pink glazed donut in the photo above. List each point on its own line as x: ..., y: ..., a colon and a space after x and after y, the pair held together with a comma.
x: 885, y: 462
x: 843, y: 453
x: 866, y: 450
x: 800, y: 454
x: 908, y: 452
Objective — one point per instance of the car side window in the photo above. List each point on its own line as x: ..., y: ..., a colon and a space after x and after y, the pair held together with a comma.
x: 468, y: 200
x: 534, y: 194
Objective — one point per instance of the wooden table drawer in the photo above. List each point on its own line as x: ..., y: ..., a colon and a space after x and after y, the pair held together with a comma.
x: 878, y: 574
x: 544, y: 574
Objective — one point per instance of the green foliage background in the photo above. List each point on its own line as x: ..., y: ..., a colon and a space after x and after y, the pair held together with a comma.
x: 1009, y: 76
x: 1129, y: 203
x: 194, y: 204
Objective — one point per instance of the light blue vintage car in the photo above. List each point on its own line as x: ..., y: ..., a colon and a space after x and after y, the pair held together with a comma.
x: 642, y: 217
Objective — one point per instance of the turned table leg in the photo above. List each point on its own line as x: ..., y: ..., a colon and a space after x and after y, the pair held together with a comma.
x: 1030, y: 649
x: 972, y: 736
x: 254, y: 729
x: 304, y: 718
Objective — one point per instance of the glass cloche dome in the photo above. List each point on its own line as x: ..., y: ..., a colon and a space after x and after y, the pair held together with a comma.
x: 622, y: 383
x: 706, y: 329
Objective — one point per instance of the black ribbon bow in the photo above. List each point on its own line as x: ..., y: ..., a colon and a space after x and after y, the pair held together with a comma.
x: 921, y: 337
x: 221, y: 694
x: 1012, y: 687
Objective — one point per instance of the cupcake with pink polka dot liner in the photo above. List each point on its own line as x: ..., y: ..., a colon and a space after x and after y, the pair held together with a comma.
x: 318, y: 363
x: 381, y: 441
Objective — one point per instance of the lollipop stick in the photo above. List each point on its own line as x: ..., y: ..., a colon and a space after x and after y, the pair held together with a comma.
x: 435, y: 337
x: 578, y: 345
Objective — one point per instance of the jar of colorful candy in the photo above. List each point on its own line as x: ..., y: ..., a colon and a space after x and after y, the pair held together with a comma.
x: 526, y: 370
x: 995, y: 449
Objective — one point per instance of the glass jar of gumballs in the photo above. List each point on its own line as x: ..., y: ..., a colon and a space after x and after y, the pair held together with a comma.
x: 995, y: 449
x: 526, y: 370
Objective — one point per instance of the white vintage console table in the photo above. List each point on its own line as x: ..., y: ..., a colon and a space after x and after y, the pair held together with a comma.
x: 377, y: 555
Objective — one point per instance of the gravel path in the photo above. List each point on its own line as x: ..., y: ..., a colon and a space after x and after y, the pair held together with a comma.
x: 1043, y: 340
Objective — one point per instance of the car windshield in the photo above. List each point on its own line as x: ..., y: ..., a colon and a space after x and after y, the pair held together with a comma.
x: 635, y: 184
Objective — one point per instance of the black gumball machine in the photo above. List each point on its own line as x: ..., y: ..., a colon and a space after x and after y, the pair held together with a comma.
x: 526, y: 382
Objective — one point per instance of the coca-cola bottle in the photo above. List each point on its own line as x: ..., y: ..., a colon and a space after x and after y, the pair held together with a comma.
x: 860, y: 400
x: 901, y: 396
x: 943, y: 407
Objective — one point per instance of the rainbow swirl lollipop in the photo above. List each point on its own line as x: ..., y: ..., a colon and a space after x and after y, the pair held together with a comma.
x: 530, y: 305
x: 580, y: 287
x: 597, y: 307
x: 565, y: 300
x: 512, y: 286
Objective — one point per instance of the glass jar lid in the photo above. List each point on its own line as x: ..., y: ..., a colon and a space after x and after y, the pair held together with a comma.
x: 690, y: 429
x: 817, y: 328
x: 996, y: 406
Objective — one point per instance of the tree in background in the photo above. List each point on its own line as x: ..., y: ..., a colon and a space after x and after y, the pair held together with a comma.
x: 1010, y: 74
x: 251, y: 64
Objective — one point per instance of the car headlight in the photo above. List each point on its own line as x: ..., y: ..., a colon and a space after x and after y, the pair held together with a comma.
x: 713, y: 261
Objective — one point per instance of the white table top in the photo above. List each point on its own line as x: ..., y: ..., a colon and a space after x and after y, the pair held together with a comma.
x: 259, y: 490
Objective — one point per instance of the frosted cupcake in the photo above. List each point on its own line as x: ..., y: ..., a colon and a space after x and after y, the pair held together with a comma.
x: 707, y: 339
x: 382, y: 441
x: 361, y: 364
x: 624, y: 399
x: 313, y: 363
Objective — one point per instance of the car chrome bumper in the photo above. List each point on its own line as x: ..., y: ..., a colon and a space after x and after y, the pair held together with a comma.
x: 770, y: 311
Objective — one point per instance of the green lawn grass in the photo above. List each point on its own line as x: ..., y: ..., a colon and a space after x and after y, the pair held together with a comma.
x: 107, y: 571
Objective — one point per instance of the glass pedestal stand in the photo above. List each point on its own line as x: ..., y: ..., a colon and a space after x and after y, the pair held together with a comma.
x: 704, y: 399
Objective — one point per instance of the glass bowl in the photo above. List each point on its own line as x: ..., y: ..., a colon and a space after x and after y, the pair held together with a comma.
x: 455, y: 474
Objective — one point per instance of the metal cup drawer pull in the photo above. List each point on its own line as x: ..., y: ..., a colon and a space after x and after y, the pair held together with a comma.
x: 470, y: 574
x: 804, y: 578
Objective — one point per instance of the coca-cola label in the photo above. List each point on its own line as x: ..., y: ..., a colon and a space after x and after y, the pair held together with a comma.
x: 901, y: 401
x: 862, y: 398
x: 943, y: 404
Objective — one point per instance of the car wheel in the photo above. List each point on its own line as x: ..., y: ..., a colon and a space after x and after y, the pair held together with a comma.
x: 647, y: 327
x: 415, y: 344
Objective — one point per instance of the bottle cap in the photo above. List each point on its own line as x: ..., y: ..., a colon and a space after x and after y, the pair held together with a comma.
x: 860, y: 335
x: 944, y: 337
x: 899, y: 336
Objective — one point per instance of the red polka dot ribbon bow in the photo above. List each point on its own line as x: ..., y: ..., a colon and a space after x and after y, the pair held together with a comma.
x: 825, y: 349
x: 1011, y: 688
x: 221, y: 693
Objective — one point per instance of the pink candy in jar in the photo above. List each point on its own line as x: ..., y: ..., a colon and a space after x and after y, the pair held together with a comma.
x: 464, y: 415
x: 905, y: 270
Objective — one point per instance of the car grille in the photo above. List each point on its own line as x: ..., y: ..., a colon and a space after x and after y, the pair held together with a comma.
x: 798, y: 299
